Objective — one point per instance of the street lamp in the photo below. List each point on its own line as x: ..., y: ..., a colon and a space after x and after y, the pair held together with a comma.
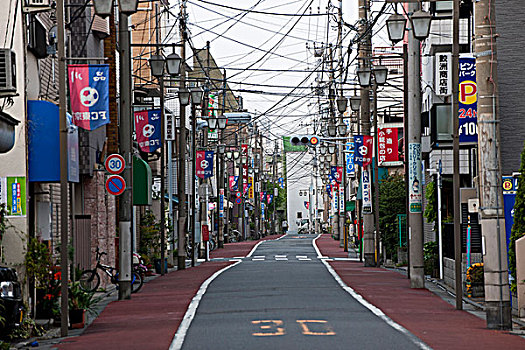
x: 380, y: 74
x: 341, y: 104
x: 212, y: 123
x: 395, y: 25
x: 222, y: 121
x: 173, y: 62
x: 332, y: 130
x: 322, y: 149
x: 184, y: 97
x: 364, y: 76
x: 103, y: 7
x: 236, y: 154
x: 331, y: 148
x: 355, y: 103
x: 196, y: 95
x: 156, y: 63
x: 421, y: 24
x: 341, y: 128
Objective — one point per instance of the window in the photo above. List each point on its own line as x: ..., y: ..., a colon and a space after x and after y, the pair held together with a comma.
x: 442, y: 123
x: 299, y: 214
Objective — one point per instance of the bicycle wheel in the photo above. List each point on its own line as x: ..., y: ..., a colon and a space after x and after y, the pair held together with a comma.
x: 212, y: 245
x: 136, y: 282
x: 89, y: 280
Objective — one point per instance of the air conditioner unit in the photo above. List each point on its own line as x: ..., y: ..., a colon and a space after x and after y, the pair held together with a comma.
x: 7, y: 73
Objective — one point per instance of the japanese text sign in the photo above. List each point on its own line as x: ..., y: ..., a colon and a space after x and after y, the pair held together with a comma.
x: 387, y: 144
x: 147, y: 128
x: 468, y: 100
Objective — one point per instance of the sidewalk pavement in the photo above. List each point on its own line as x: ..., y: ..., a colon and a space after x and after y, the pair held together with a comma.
x: 151, y: 317
x: 424, y: 314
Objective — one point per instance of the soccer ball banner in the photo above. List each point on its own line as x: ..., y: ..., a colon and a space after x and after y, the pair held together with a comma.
x: 147, y: 128
x: 89, y: 95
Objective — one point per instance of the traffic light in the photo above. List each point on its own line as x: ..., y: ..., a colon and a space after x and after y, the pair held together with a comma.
x: 304, y: 140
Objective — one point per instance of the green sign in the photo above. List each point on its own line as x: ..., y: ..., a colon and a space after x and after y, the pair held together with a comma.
x: 350, y: 205
x: 13, y: 194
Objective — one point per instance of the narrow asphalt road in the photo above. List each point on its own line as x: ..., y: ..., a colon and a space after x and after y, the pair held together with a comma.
x: 283, y: 297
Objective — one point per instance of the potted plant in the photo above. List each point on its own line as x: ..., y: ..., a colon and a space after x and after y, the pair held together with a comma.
x: 80, y: 301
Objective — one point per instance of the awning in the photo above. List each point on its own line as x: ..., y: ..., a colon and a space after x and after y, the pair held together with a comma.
x: 142, y: 182
x: 7, y: 132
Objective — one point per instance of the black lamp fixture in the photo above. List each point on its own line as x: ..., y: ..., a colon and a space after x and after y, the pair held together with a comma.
x: 222, y: 121
x: 173, y: 62
x: 128, y: 7
x: 103, y: 7
x: 184, y: 96
x: 196, y: 93
x: 380, y: 74
x: 342, y: 102
x: 332, y: 149
x: 322, y: 149
x: 332, y: 130
x: 236, y: 154
x: 355, y: 102
x: 364, y: 75
x: 156, y: 65
x: 229, y: 155
x: 341, y: 128
x: 221, y: 148
x: 421, y: 21
x: 395, y: 25
x: 212, y: 123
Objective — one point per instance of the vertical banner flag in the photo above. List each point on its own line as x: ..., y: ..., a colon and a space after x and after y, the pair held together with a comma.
x: 147, y: 128
x: 336, y: 173
x: 387, y: 144
x: 262, y: 210
x: 307, y: 204
x: 336, y: 200
x: 270, y: 198
x: 510, y: 188
x: 89, y: 94
x: 233, y: 183
x: 363, y: 150
x: 468, y: 100
x: 366, y: 190
x: 281, y: 182
x: 251, y: 188
x: 414, y: 178
x: 204, y: 164
x: 221, y: 203
x: 341, y: 199
x: 329, y: 190
x: 213, y: 106
x: 349, y: 158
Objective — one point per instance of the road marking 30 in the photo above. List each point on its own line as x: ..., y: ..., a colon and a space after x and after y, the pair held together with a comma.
x: 270, y: 328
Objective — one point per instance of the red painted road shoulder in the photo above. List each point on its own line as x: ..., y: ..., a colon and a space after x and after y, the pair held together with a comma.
x: 330, y: 247
x: 150, y: 319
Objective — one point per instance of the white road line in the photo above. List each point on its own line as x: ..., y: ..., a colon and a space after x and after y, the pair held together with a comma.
x: 304, y: 259
x: 375, y: 310
x: 178, y: 339
x: 258, y: 259
x: 319, y: 255
x: 280, y: 256
x: 301, y: 256
x: 259, y: 256
x: 281, y: 259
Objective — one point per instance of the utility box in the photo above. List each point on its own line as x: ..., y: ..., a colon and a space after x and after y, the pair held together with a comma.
x: 520, y: 275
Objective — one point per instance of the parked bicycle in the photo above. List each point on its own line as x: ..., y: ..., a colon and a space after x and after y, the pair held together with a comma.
x: 90, y: 279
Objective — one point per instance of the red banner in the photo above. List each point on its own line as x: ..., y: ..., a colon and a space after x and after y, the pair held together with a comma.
x: 387, y: 143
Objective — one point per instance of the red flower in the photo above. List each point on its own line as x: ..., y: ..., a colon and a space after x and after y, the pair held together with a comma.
x: 48, y: 296
x: 58, y: 276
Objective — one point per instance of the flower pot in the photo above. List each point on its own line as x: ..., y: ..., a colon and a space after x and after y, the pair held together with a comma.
x: 77, y: 318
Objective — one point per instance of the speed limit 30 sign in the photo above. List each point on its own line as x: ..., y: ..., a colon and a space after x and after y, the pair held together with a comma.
x: 115, y: 164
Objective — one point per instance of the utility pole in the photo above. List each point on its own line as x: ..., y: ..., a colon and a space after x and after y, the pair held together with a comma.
x: 220, y: 164
x: 497, y: 296
x: 455, y: 150
x: 181, y: 223
x: 162, y: 153
x: 341, y: 156
x: 63, y: 168
x: 274, y: 166
x: 332, y: 121
x: 125, y: 200
x: 417, y: 276
x: 376, y: 178
x: 365, y: 51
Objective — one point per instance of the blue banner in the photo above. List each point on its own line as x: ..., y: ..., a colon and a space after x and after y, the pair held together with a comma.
x: 349, y: 157
x: 468, y: 100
